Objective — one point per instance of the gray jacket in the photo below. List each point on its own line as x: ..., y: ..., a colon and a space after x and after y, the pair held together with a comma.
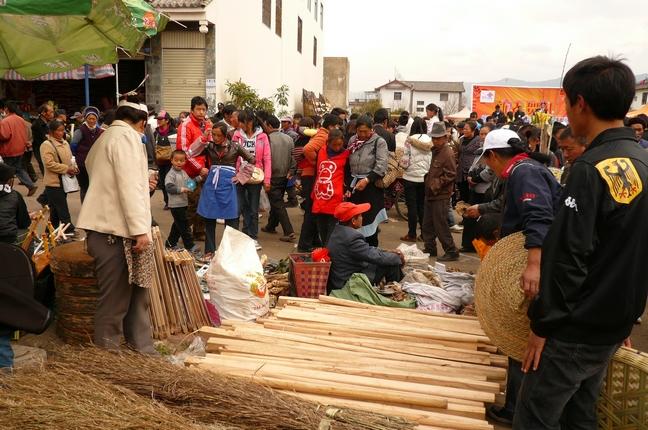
x: 281, y: 147
x: 370, y: 159
x: 176, y: 180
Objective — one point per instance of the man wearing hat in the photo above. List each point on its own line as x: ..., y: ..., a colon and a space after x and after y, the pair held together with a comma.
x: 350, y: 253
x: 439, y: 186
x: 286, y: 128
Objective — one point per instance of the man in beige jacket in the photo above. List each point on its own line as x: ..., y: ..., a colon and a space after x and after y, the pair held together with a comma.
x: 116, y: 215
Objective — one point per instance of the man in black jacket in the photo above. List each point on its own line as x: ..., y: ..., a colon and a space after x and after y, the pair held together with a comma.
x: 40, y: 130
x: 592, y: 282
x: 381, y: 120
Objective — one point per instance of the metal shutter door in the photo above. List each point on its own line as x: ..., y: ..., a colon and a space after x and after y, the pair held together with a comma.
x: 183, y: 77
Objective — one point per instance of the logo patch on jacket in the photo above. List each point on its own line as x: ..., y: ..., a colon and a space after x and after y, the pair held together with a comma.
x: 622, y: 179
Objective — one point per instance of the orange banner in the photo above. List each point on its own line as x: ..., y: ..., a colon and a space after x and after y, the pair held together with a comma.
x: 485, y: 97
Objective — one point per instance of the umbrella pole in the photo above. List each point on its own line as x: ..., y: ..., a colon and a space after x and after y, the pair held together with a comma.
x: 117, y: 80
x: 86, y: 78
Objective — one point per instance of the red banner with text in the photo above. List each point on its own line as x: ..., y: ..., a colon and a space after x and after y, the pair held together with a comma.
x: 486, y: 97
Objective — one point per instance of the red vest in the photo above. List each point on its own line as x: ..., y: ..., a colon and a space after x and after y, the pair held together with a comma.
x: 328, y: 191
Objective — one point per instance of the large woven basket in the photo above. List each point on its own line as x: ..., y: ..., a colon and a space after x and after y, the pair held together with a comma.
x: 623, y: 403
x: 499, y: 301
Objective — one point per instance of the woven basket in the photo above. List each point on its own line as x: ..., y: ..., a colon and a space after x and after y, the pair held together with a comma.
x: 499, y: 301
x: 309, y: 278
x: 623, y: 403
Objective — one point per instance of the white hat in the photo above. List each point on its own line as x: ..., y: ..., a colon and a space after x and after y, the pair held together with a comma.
x: 498, y: 139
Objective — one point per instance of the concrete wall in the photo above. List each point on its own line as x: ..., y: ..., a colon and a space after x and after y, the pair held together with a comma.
x: 247, y: 49
x: 639, y: 99
x: 452, y: 105
x: 336, y: 81
x: 153, y: 65
x: 387, y: 99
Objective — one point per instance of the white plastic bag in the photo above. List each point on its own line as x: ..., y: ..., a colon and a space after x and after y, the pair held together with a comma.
x: 264, y: 201
x: 235, y: 279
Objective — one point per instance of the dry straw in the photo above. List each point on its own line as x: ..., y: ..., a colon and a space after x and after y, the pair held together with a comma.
x: 205, y: 397
x: 499, y: 300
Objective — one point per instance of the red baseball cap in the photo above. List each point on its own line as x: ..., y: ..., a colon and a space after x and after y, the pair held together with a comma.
x: 347, y: 210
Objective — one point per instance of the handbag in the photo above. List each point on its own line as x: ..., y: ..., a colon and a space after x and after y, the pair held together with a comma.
x: 163, y: 153
x: 69, y: 183
x: 394, y: 170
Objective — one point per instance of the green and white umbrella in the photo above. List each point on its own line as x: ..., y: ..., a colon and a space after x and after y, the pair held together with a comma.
x: 49, y: 36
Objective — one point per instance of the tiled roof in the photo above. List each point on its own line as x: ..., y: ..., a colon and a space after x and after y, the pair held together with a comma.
x: 430, y: 86
x: 170, y: 4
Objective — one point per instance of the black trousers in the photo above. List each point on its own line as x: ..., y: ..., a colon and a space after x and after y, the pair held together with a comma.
x: 162, y: 171
x: 278, y: 212
x: 309, y: 237
x: 325, y: 225
x: 415, y: 201
x: 464, y: 191
x: 84, y: 183
x: 470, y: 224
x: 210, y: 232
x: 563, y: 392
x: 28, y: 166
x: 180, y: 228
x: 59, y: 212
x: 390, y: 273
x: 435, y: 225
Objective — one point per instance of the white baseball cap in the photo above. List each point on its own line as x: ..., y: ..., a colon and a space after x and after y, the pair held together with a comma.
x: 498, y: 139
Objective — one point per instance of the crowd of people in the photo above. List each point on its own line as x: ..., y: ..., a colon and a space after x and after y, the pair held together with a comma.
x: 577, y: 200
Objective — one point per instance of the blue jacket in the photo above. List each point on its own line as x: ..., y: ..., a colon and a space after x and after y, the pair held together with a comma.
x: 532, y: 194
x: 350, y: 253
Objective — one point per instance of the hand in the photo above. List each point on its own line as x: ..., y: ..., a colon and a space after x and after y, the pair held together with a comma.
x: 141, y: 243
x: 533, y: 352
x: 362, y: 184
x: 72, y: 171
x: 266, y: 187
x: 530, y: 279
x: 204, y: 172
x: 627, y: 343
x: 471, y: 212
x: 33, y: 215
x: 185, y: 190
x: 402, y: 257
x: 152, y: 183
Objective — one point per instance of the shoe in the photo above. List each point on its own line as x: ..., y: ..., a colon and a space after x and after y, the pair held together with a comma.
x: 449, y: 256
x: 456, y: 228
x: 206, y: 258
x: 499, y: 415
x: 32, y: 191
x: 288, y: 238
x: 257, y: 245
x: 467, y: 250
x: 432, y: 252
x: 268, y: 230
x: 195, y: 249
x: 408, y: 238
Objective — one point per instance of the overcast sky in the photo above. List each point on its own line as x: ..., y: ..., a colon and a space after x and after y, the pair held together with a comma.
x: 480, y: 41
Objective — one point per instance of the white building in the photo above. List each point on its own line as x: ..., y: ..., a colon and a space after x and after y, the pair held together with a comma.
x: 265, y: 44
x: 413, y: 96
x: 641, y: 95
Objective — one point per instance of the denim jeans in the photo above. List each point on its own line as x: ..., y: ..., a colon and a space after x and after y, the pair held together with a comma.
x: 17, y: 163
x: 562, y: 393
x: 248, y: 200
x: 6, y: 353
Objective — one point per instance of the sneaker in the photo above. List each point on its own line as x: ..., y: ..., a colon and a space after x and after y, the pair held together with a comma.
x: 257, y: 245
x: 449, y: 256
x: 288, y: 238
x: 456, y: 228
x: 499, y: 415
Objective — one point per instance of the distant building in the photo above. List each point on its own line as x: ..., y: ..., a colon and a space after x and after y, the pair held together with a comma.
x: 336, y: 81
x: 265, y: 44
x: 413, y: 96
x: 641, y: 95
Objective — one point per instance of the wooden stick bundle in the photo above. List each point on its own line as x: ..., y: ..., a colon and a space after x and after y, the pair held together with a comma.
x: 435, y: 369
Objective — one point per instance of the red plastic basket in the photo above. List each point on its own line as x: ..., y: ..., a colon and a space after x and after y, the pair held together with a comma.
x: 309, y: 278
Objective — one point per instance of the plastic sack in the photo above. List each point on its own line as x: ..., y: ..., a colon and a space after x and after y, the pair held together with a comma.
x: 264, y: 201
x: 235, y: 279
x: 414, y: 257
x: 431, y: 298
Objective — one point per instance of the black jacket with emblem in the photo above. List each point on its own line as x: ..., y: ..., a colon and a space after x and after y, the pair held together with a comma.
x: 593, y: 280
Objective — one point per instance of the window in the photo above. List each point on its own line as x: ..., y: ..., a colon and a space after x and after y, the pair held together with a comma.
x: 310, y: 5
x: 644, y: 98
x: 314, y: 51
x: 398, y: 95
x: 443, y: 97
x: 316, y: 1
x: 278, y: 17
x: 266, y: 12
x: 420, y: 109
x: 299, y: 34
x: 321, y: 16
x: 420, y: 103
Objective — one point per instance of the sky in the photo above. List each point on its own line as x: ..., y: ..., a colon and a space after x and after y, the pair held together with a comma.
x: 480, y: 41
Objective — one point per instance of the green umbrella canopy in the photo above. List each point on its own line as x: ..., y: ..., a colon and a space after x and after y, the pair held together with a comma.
x: 55, y: 36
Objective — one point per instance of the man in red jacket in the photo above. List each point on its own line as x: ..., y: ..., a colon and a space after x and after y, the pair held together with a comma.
x: 13, y: 142
x: 192, y: 132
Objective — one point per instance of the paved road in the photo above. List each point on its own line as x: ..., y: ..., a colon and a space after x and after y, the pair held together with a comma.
x: 273, y: 248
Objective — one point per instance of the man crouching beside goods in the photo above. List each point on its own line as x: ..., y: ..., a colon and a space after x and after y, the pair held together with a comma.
x: 592, y: 277
x: 350, y: 253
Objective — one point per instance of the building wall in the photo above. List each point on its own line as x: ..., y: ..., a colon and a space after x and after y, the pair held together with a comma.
x: 387, y: 99
x: 336, y: 80
x: 248, y: 50
x: 452, y: 105
x: 641, y: 98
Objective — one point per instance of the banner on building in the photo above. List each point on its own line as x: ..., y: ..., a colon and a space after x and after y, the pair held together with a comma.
x: 486, y: 97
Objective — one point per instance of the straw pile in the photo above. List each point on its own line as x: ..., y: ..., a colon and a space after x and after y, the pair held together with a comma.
x: 434, y: 369
x: 499, y: 300
x: 205, y: 397
x: 62, y: 398
x: 177, y: 304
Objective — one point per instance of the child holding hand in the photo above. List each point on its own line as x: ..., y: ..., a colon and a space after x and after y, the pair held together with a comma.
x: 175, y: 184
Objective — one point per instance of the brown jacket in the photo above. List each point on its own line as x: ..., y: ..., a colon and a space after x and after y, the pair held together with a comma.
x: 439, y: 182
x: 312, y: 148
x: 56, y: 161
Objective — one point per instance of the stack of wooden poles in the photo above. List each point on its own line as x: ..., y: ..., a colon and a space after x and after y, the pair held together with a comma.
x: 438, y: 370
x: 177, y: 303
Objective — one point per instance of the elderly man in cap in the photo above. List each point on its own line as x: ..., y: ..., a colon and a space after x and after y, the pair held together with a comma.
x: 439, y: 185
x: 286, y: 128
x: 350, y: 253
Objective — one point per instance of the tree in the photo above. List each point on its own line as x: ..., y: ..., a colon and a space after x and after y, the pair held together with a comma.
x: 281, y: 97
x: 370, y: 106
x: 244, y: 96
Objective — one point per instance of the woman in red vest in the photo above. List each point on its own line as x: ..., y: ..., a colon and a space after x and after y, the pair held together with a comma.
x: 328, y: 191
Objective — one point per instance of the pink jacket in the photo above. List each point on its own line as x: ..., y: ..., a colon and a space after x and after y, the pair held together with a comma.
x: 259, y: 146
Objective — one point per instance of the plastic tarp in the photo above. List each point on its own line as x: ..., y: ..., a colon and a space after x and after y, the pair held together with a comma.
x: 358, y: 288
